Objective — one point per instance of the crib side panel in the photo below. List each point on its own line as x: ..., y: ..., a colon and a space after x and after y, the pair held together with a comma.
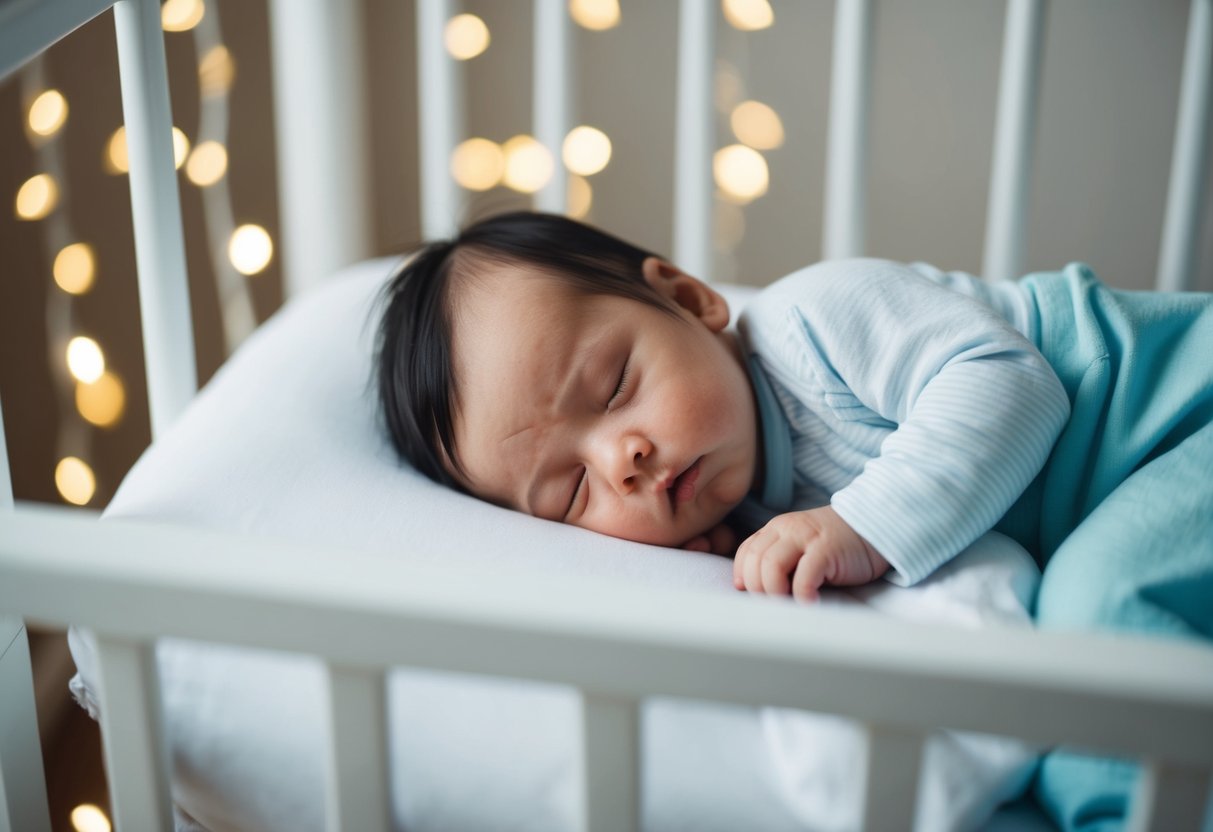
x: 23, y: 803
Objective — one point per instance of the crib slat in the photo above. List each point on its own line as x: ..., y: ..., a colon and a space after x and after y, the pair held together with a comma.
x: 891, y: 784
x: 1014, y: 139
x: 440, y: 101
x: 552, y: 96
x: 168, y: 334
x: 359, y: 791
x: 320, y: 125
x: 6, y: 476
x: 611, y: 763
x: 1178, y: 258
x: 137, y: 761
x: 844, y: 225
x: 29, y: 26
x: 1169, y: 797
x: 23, y: 806
x: 694, y: 137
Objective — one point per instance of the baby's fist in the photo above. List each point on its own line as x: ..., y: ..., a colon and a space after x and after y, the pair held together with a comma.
x: 801, y: 551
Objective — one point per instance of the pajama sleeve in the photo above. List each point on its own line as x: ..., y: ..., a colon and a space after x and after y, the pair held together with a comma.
x: 972, y: 405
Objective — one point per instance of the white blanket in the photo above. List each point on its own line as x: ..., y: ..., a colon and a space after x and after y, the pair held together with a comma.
x: 283, y: 443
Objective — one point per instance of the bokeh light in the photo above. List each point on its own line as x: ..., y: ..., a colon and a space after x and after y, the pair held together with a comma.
x: 75, y: 267
x: 85, y: 360
x: 48, y: 113
x: 102, y: 402
x: 596, y: 15
x: 37, y: 197
x: 748, y: 15
x: 477, y: 164
x: 216, y: 71
x: 89, y: 818
x: 181, y: 15
x: 76, y: 484
x: 528, y: 164
x: 207, y: 164
x: 181, y: 147
x: 250, y: 249
x: 116, y: 160
x: 741, y: 173
x: 466, y: 36
x: 581, y: 197
x: 757, y: 125
x: 586, y: 150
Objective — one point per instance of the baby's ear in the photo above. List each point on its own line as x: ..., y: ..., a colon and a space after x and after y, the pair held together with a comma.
x: 690, y: 293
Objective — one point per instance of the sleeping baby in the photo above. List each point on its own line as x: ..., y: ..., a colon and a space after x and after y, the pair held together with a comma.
x: 865, y: 420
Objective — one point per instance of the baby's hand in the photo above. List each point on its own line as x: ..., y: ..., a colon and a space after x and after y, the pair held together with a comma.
x: 817, y: 545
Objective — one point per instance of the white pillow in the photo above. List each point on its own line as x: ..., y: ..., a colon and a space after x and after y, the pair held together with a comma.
x: 284, y: 443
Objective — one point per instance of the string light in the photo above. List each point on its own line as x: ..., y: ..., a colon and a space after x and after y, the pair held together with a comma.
x: 757, y: 125
x: 85, y: 360
x: 103, y: 401
x: 48, y: 113
x: 250, y: 249
x: 89, y: 818
x: 466, y: 36
x: 216, y: 71
x: 75, y: 480
x: 580, y: 197
x: 748, y: 15
x: 181, y: 15
x: 37, y: 197
x: 528, y: 164
x: 74, y: 268
x: 596, y: 15
x: 181, y: 147
x: 206, y: 164
x: 115, y: 152
x: 586, y: 150
x: 478, y: 164
x: 741, y: 173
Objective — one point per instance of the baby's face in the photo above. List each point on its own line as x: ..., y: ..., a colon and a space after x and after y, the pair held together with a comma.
x: 601, y: 411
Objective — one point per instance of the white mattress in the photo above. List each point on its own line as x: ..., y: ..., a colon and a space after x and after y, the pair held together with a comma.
x: 284, y: 443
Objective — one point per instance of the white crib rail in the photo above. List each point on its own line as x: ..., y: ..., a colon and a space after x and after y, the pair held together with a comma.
x: 135, y: 583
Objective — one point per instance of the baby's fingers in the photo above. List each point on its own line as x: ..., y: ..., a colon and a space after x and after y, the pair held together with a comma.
x: 809, y: 577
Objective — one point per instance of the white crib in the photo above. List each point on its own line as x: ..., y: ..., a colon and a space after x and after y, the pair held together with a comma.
x: 1135, y: 697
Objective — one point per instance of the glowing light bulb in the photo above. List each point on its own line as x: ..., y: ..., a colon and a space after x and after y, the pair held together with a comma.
x: 48, y: 113
x: 103, y: 401
x: 181, y: 15
x: 37, y: 197
x: 85, y: 360
x: 466, y: 36
x: 757, y: 125
x: 581, y: 197
x: 477, y: 164
x: 116, y: 159
x: 250, y: 249
x: 528, y: 164
x: 75, y: 267
x: 741, y: 173
x: 597, y: 15
x: 586, y: 150
x: 181, y: 147
x: 207, y: 164
x: 76, y: 484
x: 216, y: 71
x: 748, y: 15
x: 89, y: 818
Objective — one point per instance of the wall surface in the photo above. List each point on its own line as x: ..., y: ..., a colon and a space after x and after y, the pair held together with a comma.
x: 1111, y: 74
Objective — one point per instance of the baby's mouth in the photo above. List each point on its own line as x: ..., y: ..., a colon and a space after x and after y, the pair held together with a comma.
x: 683, y: 486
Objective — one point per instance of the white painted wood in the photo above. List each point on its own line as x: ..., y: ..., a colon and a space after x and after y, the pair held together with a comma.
x: 845, y: 222
x: 552, y: 94
x: 359, y: 790
x: 1014, y: 140
x: 695, y: 136
x: 1170, y: 798
x: 320, y: 118
x: 1178, y: 259
x: 440, y: 121
x: 137, y: 764
x: 610, y: 763
x: 27, y: 27
x: 168, y: 334
x: 6, y: 476
x: 891, y: 779
x: 57, y: 565
x: 23, y: 806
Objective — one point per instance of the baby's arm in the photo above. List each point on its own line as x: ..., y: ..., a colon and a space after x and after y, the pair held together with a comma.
x: 802, y: 551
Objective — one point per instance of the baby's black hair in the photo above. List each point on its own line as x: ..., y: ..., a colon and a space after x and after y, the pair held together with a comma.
x: 413, y: 350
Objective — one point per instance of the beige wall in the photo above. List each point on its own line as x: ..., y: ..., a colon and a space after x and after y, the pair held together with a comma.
x: 1111, y: 81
